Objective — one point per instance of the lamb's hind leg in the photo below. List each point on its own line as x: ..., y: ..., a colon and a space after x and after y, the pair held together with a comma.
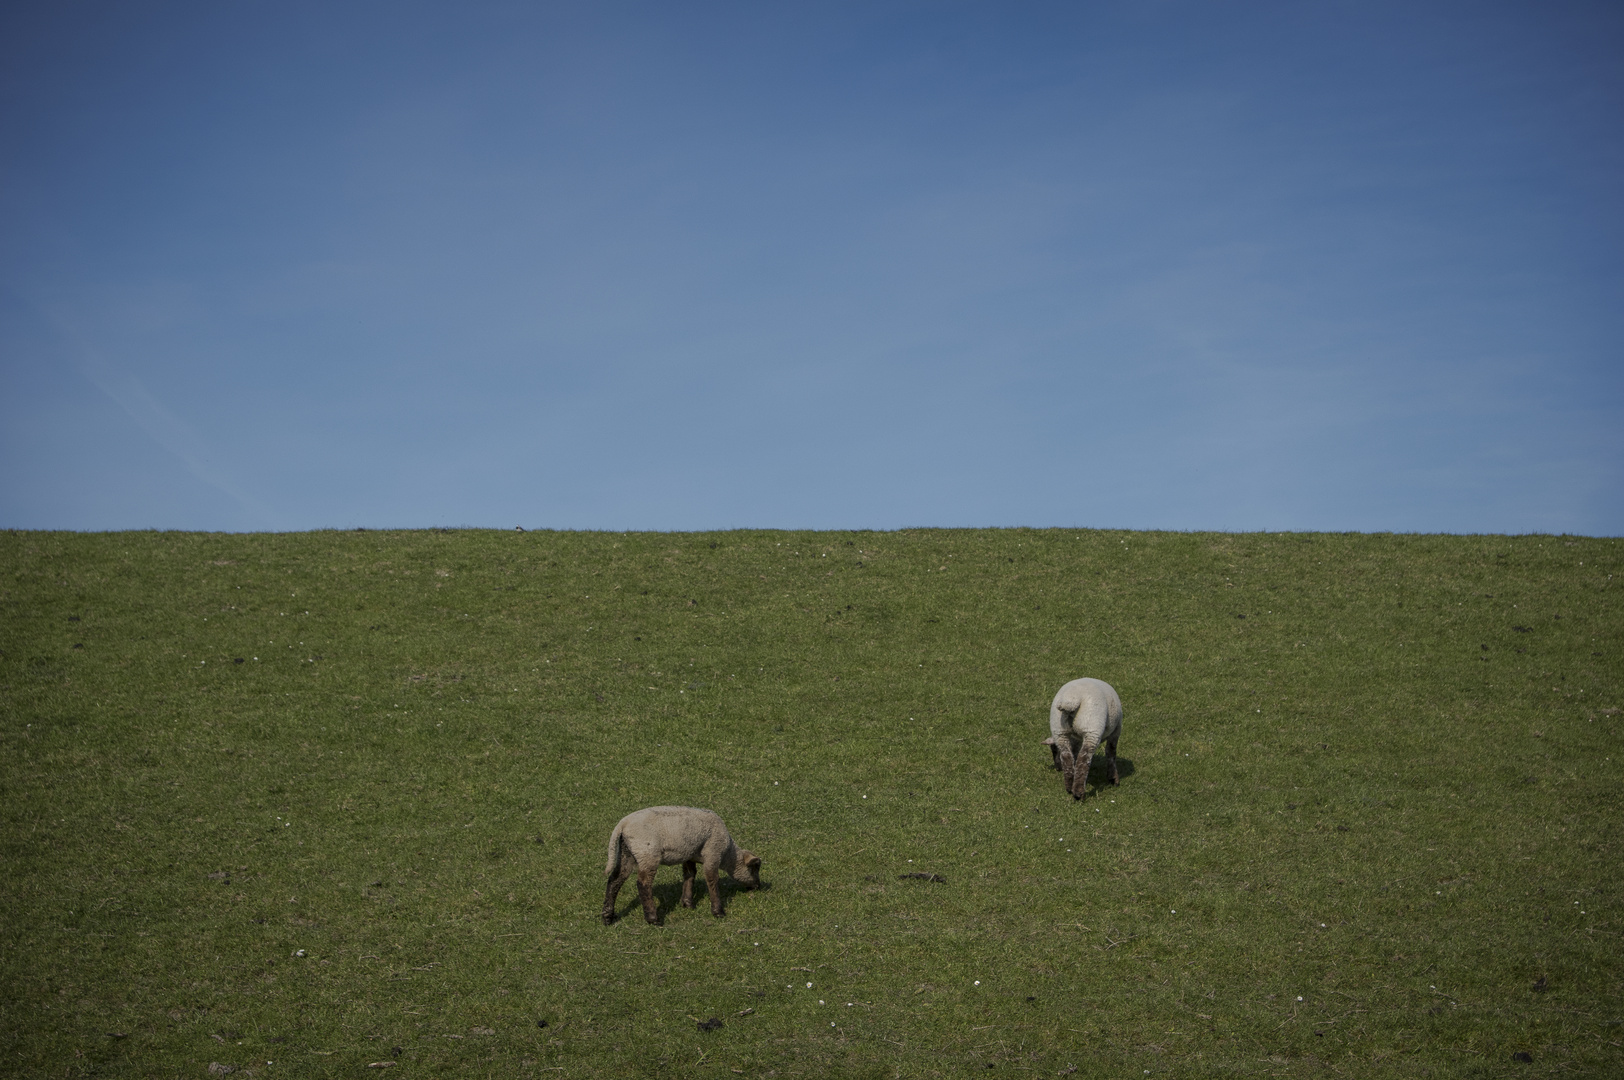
x: 645, y: 890
x: 1068, y: 764
x: 688, y: 884
x: 1079, y: 786
x: 612, y: 889
x: 1110, y: 759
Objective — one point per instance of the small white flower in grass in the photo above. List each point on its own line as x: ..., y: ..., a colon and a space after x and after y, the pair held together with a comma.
x: 809, y: 986
x: 1299, y: 997
x: 1173, y: 911
x: 978, y: 982
x: 820, y: 1001
x: 831, y: 1023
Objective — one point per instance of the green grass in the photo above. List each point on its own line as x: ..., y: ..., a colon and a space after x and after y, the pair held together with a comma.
x: 1361, y: 813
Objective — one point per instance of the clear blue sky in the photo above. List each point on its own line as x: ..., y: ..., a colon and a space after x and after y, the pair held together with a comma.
x: 690, y: 266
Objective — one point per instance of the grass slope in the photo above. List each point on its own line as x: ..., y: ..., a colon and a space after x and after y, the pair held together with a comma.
x: 295, y: 804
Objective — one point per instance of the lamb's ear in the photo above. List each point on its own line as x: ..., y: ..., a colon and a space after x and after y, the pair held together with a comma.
x: 753, y: 861
x: 1047, y: 742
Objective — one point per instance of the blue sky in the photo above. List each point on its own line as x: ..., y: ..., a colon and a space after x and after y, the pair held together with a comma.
x: 1209, y: 265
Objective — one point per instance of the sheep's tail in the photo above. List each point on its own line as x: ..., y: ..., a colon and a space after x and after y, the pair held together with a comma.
x: 613, y: 866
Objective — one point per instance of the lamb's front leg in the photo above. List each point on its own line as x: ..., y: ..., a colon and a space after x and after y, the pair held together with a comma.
x: 1110, y: 759
x: 688, y: 883
x: 713, y: 882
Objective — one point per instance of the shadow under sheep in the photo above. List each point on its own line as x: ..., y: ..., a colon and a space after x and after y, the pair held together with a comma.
x: 668, y: 898
x: 1099, y: 775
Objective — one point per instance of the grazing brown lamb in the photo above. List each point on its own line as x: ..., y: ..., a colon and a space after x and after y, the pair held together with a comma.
x: 645, y: 840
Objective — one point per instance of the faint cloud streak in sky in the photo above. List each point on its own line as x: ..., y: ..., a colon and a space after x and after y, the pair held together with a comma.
x: 160, y: 424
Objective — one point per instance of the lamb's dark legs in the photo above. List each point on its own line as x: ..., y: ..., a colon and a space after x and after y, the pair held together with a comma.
x: 1079, y: 786
x: 645, y: 890
x: 713, y: 882
x: 1068, y: 764
x: 1110, y: 759
x: 612, y: 890
x: 688, y: 884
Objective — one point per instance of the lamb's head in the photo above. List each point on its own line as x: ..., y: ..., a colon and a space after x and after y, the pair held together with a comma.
x: 747, y: 869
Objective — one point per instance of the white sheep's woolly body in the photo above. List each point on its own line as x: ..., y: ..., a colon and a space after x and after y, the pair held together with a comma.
x: 1084, y: 714
x: 645, y: 840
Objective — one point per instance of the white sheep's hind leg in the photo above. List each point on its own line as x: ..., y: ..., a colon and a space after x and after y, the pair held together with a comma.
x: 1068, y: 764
x: 1079, y: 786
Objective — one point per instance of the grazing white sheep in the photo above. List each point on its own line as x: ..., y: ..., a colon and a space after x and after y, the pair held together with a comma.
x: 645, y: 840
x: 1085, y: 713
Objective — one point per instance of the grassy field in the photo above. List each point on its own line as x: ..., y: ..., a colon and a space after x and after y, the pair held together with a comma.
x: 297, y: 804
